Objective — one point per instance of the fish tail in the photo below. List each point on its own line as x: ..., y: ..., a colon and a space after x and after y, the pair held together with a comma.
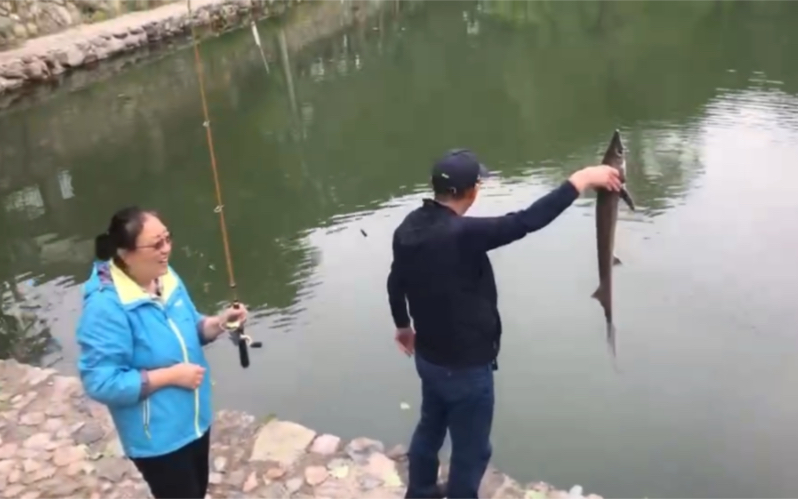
x: 611, y: 339
x: 611, y: 346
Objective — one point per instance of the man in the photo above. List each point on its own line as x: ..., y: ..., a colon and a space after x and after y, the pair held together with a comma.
x: 441, y: 269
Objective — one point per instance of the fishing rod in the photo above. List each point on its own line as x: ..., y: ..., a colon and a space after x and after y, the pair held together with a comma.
x: 236, y: 328
x: 256, y: 36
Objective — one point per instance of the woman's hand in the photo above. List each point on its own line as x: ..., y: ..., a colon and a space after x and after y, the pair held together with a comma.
x: 229, y: 318
x: 233, y: 315
x: 185, y: 375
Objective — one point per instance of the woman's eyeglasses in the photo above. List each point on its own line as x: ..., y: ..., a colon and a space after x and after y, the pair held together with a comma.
x: 158, y: 245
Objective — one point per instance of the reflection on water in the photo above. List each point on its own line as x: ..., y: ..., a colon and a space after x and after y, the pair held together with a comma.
x: 321, y: 157
x: 25, y: 333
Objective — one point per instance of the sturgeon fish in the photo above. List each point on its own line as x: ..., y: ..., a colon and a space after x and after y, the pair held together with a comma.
x: 606, y: 219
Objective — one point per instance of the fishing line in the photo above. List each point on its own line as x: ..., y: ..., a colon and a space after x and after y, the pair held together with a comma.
x: 236, y: 328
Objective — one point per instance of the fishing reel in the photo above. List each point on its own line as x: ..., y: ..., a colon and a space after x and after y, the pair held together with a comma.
x: 241, y: 339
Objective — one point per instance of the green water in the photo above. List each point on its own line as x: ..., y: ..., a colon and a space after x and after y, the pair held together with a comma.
x: 339, y: 136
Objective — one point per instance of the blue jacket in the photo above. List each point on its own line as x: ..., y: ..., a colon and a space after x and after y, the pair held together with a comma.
x: 124, y: 331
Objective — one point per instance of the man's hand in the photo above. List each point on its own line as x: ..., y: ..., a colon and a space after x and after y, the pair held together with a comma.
x: 406, y: 340
x: 602, y: 176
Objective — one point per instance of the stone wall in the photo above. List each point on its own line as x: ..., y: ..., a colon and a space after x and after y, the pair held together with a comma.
x: 24, y: 19
x: 55, y: 442
x: 44, y: 58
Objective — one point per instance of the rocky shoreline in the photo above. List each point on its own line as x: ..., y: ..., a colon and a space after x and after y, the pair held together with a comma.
x: 45, y: 58
x: 55, y: 442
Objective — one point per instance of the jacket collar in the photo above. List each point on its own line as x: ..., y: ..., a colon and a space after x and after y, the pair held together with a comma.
x: 435, y: 204
x: 131, y: 294
x: 106, y: 275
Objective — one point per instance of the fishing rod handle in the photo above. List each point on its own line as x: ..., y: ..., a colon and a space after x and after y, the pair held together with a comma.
x: 243, y: 348
x: 237, y: 328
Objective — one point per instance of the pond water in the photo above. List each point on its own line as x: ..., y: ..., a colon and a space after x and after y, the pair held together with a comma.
x: 338, y: 137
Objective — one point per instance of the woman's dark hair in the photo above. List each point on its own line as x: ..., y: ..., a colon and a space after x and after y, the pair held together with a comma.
x: 122, y: 233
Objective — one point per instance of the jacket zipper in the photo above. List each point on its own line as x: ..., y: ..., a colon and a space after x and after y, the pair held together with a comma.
x: 145, y: 415
x: 182, y: 342
x: 185, y: 359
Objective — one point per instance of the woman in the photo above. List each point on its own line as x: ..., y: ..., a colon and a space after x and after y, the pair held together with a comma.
x: 141, y: 354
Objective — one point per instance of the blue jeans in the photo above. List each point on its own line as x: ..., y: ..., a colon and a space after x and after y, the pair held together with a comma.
x: 462, y: 402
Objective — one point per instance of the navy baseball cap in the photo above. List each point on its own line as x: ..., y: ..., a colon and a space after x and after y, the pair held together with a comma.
x: 457, y: 171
